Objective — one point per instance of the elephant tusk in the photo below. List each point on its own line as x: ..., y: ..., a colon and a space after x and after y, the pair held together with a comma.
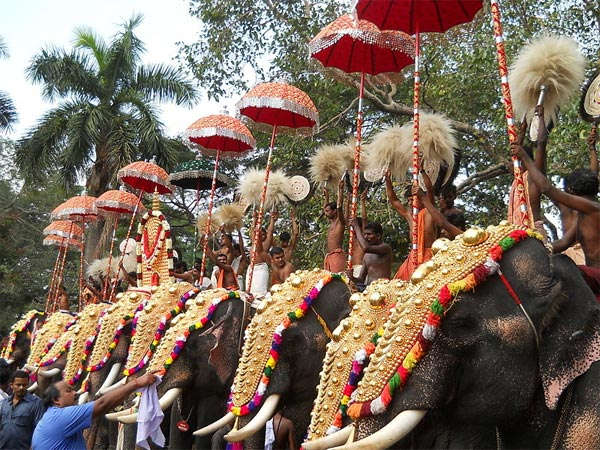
x: 125, y: 412
x: 386, y: 437
x: 209, y: 429
x: 9, y: 361
x: 164, y: 402
x: 128, y: 419
x: 258, y: 421
x: 83, y: 398
x: 29, y: 368
x: 49, y: 373
x: 112, y: 387
x: 110, y: 379
x: 32, y: 388
x: 334, y: 439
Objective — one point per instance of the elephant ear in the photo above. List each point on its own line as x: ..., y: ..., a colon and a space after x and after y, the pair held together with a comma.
x: 570, y: 332
x: 223, y: 355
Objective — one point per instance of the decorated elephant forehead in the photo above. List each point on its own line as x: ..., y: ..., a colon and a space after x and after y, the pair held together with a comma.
x: 18, y: 327
x: 47, y: 335
x: 149, y: 322
x: 353, y: 342
x: 456, y: 266
x: 154, y: 249
x: 197, y: 308
x: 111, y: 324
x: 287, y: 301
x: 86, y: 326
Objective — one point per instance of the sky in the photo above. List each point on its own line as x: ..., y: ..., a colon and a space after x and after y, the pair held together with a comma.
x: 27, y: 26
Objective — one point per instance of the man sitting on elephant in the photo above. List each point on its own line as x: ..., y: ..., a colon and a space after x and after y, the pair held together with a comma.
x: 581, y: 189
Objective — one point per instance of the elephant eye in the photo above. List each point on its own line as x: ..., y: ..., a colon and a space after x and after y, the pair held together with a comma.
x: 459, y: 326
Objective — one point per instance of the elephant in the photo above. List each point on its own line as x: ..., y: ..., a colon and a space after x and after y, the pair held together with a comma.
x: 18, y: 344
x: 498, y: 376
x: 296, y: 374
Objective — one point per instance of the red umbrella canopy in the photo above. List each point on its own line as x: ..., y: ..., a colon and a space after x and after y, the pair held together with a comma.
x: 118, y: 202
x: 359, y: 46
x: 219, y: 132
x: 145, y: 176
x: 63, y: 228
x: 79, y: 207
x: 74, y: 244
x: 422, y: 15
x: 279, y: 104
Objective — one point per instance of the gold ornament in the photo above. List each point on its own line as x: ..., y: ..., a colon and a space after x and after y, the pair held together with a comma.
x: 52, y: 329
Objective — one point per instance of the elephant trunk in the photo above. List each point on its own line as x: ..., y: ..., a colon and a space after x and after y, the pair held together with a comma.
x: 391, y: 433
x: 49, y: 373
x: 165, y: 401
x: 258, y: 421
x: 333, y: 440
x: 110, y: 379
x: 209, y: 429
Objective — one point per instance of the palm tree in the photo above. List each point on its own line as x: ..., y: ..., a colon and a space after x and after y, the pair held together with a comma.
x: 8, y: 113
x: 107, y: 116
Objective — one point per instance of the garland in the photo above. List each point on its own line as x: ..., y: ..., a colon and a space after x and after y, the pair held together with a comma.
x: 87, y: 349
x: 160, y: 332
x: 439, y: 306
x: 163, y: 235
x: 361, y: 358
x: 52, y: 360
x: 150, y: 254
x: 51, y: 343
x: 19, y: 327
x: 292, y: 316
x: 181, y: 340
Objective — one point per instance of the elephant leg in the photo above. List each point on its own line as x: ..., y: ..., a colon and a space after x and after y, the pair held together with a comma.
x: 208, y: 410
x: 218, y: 441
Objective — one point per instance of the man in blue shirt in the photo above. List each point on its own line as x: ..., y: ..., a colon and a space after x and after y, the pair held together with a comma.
x: 62, y: 425
x: 19, y: 414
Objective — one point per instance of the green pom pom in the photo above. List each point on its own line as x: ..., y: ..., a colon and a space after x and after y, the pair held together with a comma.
x: 437, y: 308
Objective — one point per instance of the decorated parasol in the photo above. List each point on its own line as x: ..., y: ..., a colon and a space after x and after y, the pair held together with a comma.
x: 358, y: 46
x: 196, y: 174
x: 589, y: 106
x: 220, y: 136
x: 64, y: 244
x: 415, y: 17
x: 276, y: 107
x: 113, y: 204
x: 81, y: 208
x: 64, y: 229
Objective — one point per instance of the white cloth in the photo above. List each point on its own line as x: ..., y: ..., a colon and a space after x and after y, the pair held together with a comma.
x: 149, y: 417
x: 3, y: 395
x: 356, y: 270
x: 260, y: 280
x: 269, y: 435
x: 206, y: 284
x: 214, y: 276
x: 235, y: 264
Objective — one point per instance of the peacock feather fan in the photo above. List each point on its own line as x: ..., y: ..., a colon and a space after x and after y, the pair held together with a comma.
x: 230, y: 216
x: 553, y: 61
x: 251, y: 185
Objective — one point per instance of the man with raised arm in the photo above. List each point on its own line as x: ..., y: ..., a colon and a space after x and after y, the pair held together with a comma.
x: 335, y: 260
x: 377, y: 260
x: 260, y: 276
x: 288, y: 242
x: 451, y: 225
x: 225, y: 275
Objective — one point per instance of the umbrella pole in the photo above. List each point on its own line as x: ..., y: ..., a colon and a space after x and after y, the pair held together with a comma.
x: 356, y: 172
x: 261, y: 208
x: 61, y: 270
x: 110, y: 255
x: 208, y: 222
x: 197, y: 205
x: 53, y: 280
x: 80, y: 301
x: 116, y: 280
x: 415, y: 159
x: 508, y: 106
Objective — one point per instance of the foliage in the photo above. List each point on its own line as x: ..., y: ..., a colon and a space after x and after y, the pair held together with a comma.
x: 8, y: 113
x: 107, y: 116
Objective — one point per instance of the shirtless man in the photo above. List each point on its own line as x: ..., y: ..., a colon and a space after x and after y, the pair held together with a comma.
x: 335, y: 260
x: 260, y: 275
x: 225, y: 275
x: 580, y: 195
x: 226, y: 244
x: 377, y: 260
x: 287, y: 242
x: 447, y: 227
x: 280, y: 267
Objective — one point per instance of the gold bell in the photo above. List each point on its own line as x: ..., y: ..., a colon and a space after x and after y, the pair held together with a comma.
x: 376, y: 299
x: 275, y: 288
x: 172, y: 290
x: 337, y: 334
x: 418, y: 275
x: 474, y: 236
x: 439, y: 245
x: 369, y: 324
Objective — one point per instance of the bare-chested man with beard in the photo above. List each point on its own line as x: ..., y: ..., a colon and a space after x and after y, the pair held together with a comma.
x: 260, y: 275
x: 335, y: 260
x: 377, y: 260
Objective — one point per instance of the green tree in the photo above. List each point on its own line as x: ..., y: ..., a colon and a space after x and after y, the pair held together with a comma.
x: 8, y: 113
x: 459, y: 78
x: 107, y: 116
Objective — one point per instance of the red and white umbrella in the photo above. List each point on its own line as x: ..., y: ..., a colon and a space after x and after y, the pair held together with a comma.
x: 276, y: 107
x: 415, y: 17
x: 358, y: 46
x: 63, y: 228
x: 220, y: 136
x: 64, y: 244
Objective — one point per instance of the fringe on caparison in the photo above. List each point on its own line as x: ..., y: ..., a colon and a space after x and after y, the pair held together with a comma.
x: 550, y: 60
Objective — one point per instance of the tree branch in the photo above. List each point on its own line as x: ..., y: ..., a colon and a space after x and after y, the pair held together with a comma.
x: 491, y: 172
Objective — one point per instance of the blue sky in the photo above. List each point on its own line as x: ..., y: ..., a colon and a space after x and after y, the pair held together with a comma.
x: 29, y: 25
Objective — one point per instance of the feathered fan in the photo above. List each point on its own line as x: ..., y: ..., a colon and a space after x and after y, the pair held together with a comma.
x: 250, y: 187
x: 392, y: 148
x: 201, y: 224
x: 229, y: 216
x: 554, y: 62
x: 328, y: 164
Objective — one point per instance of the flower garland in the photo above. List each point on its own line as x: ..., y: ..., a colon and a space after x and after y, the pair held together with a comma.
x: 439, y: 306
x: 160, y: 332
x: 150, y: 253
x: 52, y: 360
x: 293, y: 316
x: 87, y: 349
x: 361, y: 358
x: 163, y: 235
x: 51, y: 343
x: 19, y: 328
x: 181, y: 340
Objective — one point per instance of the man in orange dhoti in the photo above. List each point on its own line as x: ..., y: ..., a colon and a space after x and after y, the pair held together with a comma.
x: 335, y: 260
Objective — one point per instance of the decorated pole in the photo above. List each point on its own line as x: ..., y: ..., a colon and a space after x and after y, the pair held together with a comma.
x: 415, y: 160
x: 210, y: 208
x: 60, y: 271
x: 261, y: 211
x: 356, y: 172
x: 110, y: 255
x: 52, y: 285
x: 508, y: 106
x: 80, y: 304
